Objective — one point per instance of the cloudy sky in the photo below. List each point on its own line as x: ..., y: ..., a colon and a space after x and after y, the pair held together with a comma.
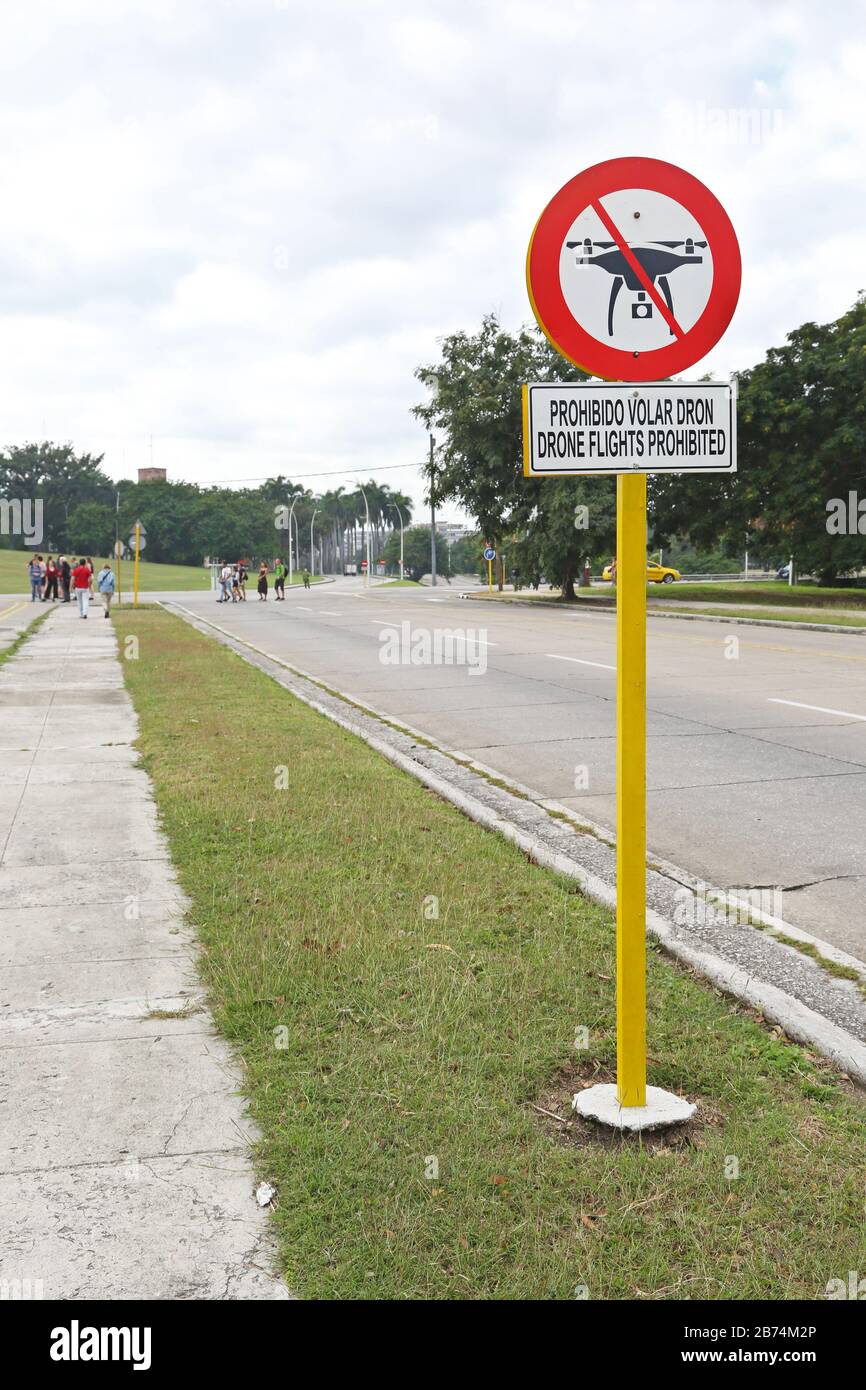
x: 237, y: 226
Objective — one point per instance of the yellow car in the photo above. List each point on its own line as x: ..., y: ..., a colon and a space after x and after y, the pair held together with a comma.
x: 655, y: 574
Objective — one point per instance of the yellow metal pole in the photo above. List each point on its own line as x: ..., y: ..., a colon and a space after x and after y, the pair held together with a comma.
x: 490, y: 575
x: 631, y: 788
x: 135, y: 574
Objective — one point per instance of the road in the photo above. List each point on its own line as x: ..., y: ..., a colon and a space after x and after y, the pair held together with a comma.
x: 16, y: 613
x: 756, y: 747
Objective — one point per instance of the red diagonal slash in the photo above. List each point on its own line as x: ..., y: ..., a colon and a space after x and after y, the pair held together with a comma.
x: 612, y: 230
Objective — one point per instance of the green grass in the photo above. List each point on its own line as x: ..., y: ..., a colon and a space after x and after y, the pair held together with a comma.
x: 766, y: 591
x: 409, y: 1038
x: 152, y: 578
x: 17, y: 642
x: 398, y: 584
x: 834, y: 619
x: 802, y: 596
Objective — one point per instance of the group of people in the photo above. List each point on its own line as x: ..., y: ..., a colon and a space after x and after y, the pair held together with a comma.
x: 233, y: 582
x: 49, y: 578
x: 280, y: 572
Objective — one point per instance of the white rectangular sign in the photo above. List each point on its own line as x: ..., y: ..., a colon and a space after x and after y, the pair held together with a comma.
x: 623, y: 427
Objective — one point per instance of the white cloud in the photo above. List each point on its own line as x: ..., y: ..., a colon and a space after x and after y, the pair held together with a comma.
x: 240, y: 226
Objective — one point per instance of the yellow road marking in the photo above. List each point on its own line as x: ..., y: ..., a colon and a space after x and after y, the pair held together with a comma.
x: 14, y: 609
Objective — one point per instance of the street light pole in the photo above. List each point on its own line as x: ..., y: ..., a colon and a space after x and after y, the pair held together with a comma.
x: 400, y: 514
x: 312, y: 550
x: 367, y: 536
x: 117, y: 543
x: 291, y: 514
x: 432, y: 521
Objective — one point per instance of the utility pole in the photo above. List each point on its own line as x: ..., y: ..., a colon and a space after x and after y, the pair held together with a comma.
x: 366, y: 536
x: 432, y: 520
x: 117, y: 542
x: 291, y: 514
x: 400, y: 514
x: 312, y: 550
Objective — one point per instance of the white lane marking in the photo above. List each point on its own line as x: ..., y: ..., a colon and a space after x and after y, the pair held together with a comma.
x: 379, y: 623
x: 435, y: 600
x: 301, y: 609
x: 329, y: 613
x: 819, y: 709
x: 576, y: 659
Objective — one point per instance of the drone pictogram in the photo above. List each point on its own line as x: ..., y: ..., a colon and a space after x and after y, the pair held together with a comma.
x: 658, y: 259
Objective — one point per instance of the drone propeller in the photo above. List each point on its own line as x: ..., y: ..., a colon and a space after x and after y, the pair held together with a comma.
x: 586, y: 242
x: 672, y: 245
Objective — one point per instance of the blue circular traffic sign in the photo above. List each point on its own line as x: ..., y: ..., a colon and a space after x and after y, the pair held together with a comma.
x: 489, y: 553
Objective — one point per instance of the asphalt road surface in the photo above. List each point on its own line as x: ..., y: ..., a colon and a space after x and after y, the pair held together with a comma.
x: 16, y: 613
x: 756, y: 748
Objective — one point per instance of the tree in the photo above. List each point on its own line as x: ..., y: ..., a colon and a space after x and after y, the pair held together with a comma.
x: 58, y: 477
x: 416, y: 550
x: 801, y: 445
x: 90, y: 529
x: 573, y: 521
x: 476, y: 401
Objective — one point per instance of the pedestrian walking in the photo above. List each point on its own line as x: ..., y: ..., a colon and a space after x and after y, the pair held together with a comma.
x: 35, y: 573
x: 242, y: 581
x: 225, y: 584
x: 263, y: 581
x: 105, y: 583
x: 236, y: 587
x: 52, y: 574
x: 82, y: 577
x: 280, y: 581
x: 306, y: 578
x: 65, y: 577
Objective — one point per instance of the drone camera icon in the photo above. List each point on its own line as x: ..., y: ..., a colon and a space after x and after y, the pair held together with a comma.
x: 658, y: 260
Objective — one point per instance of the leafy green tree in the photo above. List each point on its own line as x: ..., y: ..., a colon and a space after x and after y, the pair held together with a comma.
x: 60, y: 478
x: 573, y: 522
x: 476, y: 401
x: 466, y: 556
x: 801, y: 444
x: 416, y: 550
x: 90, y: 529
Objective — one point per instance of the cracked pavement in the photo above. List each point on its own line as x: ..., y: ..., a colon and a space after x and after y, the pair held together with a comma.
x: 125, y: 1167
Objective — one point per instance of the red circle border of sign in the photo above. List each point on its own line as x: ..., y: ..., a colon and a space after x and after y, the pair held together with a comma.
x: 545, y: 292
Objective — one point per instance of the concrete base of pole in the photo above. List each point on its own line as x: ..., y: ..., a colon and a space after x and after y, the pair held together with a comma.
x: 662, y: 1108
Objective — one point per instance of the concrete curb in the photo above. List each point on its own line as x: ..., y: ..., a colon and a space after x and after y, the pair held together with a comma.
x: 798, y: 1021
x: 598, y: 606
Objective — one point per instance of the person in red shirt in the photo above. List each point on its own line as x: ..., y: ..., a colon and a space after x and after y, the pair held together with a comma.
x: 52, y: 574
x: 81, y: 577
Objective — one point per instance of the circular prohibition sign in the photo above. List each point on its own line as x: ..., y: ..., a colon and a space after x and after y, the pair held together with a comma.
x: 633, y: 270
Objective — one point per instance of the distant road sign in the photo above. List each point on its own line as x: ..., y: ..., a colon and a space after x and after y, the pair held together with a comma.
x: 617, y: 427
x: 633, y: 270
x: 489, y: 553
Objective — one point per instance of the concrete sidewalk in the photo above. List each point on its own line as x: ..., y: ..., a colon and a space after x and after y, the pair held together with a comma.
x: 124, y: 1146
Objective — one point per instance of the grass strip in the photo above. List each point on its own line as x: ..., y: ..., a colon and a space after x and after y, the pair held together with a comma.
x: 405, y: 991
x: 813, y: 615
x: 18, y: 642
x: 767, y: 591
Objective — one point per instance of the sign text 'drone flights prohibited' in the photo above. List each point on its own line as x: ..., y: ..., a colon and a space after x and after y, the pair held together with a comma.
x: 633, y: 273
x: 633, y: 270
x: 615, y: 427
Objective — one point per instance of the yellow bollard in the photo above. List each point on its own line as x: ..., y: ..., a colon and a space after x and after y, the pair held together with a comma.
x: 135, y: 572
x: 631, y: 788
